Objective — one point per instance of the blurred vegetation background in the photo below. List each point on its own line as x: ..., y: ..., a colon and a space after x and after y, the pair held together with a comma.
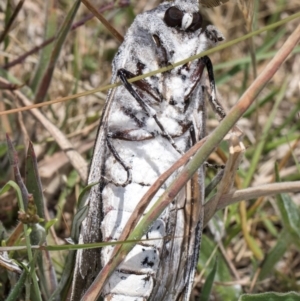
x: 256, y: 243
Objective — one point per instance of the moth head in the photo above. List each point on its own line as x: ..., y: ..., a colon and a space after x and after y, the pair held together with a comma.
x: 187, y: 21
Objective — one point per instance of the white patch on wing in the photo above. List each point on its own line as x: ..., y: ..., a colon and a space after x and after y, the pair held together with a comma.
x: 129, y: 285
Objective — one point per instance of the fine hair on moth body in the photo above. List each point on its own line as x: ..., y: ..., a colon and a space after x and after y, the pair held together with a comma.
x: 145, y: 128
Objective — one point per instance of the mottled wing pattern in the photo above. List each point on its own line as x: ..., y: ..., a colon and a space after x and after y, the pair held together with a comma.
x: 88, y: 262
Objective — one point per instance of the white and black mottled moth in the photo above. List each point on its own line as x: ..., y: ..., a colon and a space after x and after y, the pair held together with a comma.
x: 146, y: 126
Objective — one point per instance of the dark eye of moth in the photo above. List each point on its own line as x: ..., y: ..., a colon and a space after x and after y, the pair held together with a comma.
x: 173, y: 17
x: 197, y: 22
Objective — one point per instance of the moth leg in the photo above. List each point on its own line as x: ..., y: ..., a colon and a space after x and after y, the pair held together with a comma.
x: 217, y: 107
x: 119, y: 159
x: 193, y: 135
x: 214, y: 182
x: 124, y: 74
x: 214, y: 166
x: 206, y: 164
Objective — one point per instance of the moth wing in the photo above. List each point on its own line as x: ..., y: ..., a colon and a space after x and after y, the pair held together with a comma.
x: 88, y: 262
x: 193, y: 212
x: 194, y: 200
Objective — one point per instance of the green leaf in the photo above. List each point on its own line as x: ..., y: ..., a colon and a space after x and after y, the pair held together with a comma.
x: 206, y: 290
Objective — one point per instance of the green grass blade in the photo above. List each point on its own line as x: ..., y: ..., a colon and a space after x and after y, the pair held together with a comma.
x: 45, y: 53
x: 260, y: 145
x: 47, y: 275
x: 288, y: 137
x: 66, y: 279
x: 271, y: 41
x: 14, y: 161
x: 244, y: 61
x: 64, y: 30
x: 18, y: 288
x: 290, y: 213
x: 207, y: 287
x: 292, y: 296
x: 276, y: 253
x: 33, y: 181
x: 35, y: 290
x: 9, y: 20
x: 269, y: 97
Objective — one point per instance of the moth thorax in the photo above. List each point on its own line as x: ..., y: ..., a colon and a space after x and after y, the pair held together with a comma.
x: 190, y: 6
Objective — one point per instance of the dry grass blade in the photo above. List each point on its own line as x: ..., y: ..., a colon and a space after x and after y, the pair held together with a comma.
x: 15, y: 235
x: 9, y: 265
x: 100, y: 17
x: 236, y: 150
x: 255, y: 192
x: 247, y: 9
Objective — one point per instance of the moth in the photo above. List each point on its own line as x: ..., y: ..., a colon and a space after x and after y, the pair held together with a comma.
x: 146, y: 127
